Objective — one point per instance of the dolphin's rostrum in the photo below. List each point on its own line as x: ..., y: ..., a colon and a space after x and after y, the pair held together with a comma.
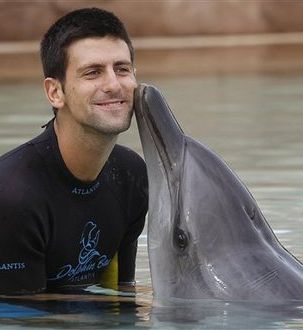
x: 207, y: 238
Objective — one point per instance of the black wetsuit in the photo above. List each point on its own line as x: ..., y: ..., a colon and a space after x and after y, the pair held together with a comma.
x: 57, y: 232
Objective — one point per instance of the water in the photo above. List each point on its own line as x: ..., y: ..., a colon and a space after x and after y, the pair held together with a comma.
x: 254, y: 122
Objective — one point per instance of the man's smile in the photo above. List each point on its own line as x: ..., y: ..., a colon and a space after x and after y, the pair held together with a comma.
x: 114, y: 104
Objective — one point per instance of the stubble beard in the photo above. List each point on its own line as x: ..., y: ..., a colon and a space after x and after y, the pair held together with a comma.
x: 101, y: 126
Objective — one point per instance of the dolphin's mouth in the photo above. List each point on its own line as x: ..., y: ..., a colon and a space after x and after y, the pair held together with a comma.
x: 166, y: 139
x: 153, y: 112
x: 161, y: 135
x: 149, y: 119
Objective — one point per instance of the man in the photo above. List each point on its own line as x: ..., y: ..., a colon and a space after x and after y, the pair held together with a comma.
x: 70, y: 199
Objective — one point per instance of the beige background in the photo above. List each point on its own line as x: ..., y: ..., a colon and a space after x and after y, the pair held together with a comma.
x: 28, y: 20
x: 267, y: 35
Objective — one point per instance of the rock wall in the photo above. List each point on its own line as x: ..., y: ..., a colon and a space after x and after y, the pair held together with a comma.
x: 28, y: 20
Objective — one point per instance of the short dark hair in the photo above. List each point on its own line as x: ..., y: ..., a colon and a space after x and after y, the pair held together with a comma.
x: 78, y: 24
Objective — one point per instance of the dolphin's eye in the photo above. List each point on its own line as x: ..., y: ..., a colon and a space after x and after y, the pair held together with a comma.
x: 181, y: 239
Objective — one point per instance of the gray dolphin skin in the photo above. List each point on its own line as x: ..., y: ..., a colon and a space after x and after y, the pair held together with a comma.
x: 207, y: 238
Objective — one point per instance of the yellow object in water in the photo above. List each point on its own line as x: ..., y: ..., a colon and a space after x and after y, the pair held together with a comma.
x: 109, y: 277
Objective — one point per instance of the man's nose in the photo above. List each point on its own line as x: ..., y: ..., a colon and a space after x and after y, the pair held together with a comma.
x: 110, y: 82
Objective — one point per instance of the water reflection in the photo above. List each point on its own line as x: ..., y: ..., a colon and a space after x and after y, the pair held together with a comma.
x: 211, y: 314
x: 101, y: 312
x: 74, y: 312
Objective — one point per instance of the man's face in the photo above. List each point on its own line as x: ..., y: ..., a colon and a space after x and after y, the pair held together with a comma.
x: 99, y: 85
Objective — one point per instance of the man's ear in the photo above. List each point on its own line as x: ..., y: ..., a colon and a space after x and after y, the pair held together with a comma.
x: 54, y: 92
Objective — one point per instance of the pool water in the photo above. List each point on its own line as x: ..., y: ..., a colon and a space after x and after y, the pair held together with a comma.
x: 255, y: 123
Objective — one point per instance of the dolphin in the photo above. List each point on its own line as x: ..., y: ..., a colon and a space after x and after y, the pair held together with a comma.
x: 207, y: 238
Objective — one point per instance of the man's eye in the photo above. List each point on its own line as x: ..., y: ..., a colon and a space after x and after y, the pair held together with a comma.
x: 92, y: 73
x: 123, y: 69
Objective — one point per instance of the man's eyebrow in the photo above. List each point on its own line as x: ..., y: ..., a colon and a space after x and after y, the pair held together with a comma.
x: 90, y: 66
x: 123, y: 63
x: 101, y: 66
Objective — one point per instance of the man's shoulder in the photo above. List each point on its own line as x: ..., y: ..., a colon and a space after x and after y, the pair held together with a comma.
x: 19, y: 169
x: 24, y: 153
x: 15, y: 161
x: 18, y: 158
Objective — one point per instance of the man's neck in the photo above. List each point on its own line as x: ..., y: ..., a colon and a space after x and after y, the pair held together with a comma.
x: 84, y: 154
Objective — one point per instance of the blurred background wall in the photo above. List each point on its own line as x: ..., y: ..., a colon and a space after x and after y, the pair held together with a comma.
x: 167, y: 33
x: 28, y: 20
